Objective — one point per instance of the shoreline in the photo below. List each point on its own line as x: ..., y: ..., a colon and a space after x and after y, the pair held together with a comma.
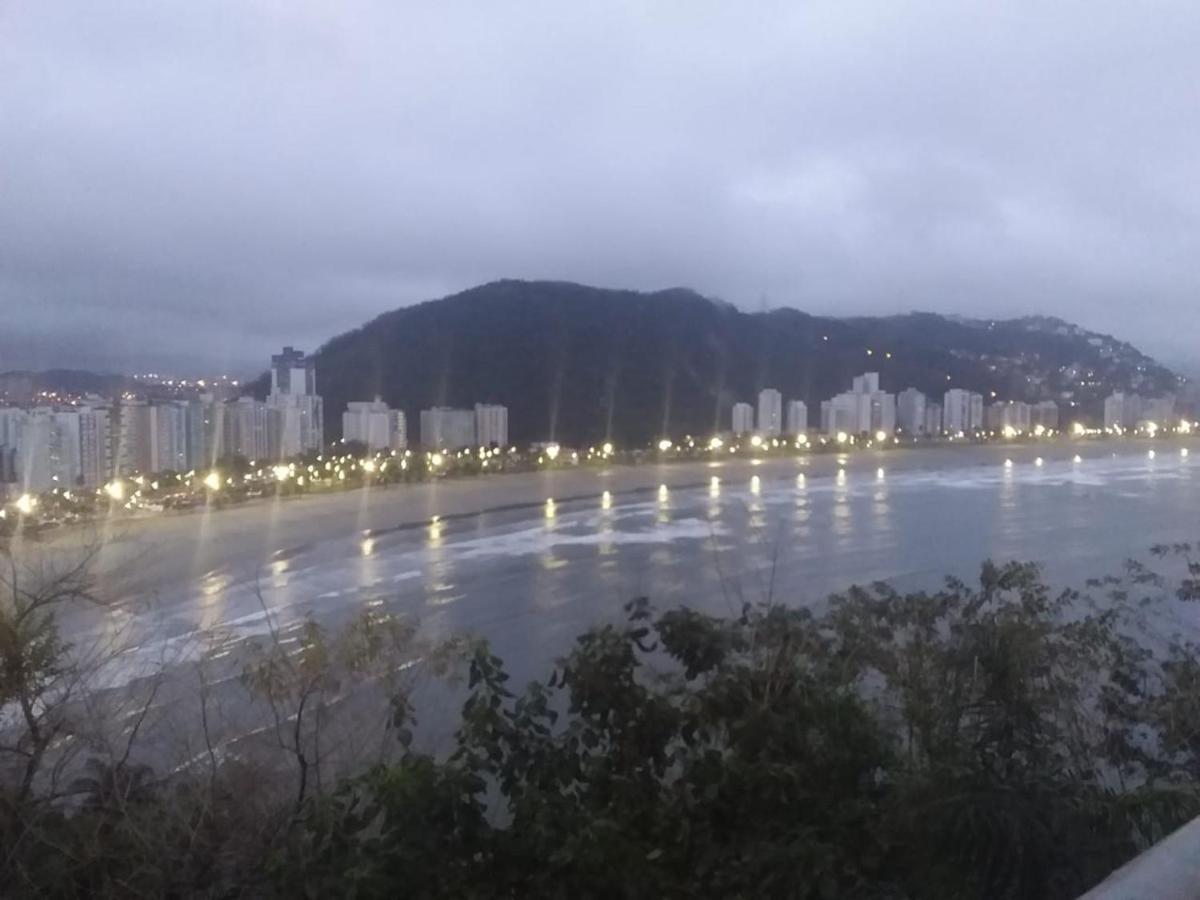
x: 149, y: 552
x: 769, y: 462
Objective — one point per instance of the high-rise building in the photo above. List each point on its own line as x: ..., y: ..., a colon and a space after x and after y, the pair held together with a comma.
x: 444, y: 428
x: 95, y: 444
x: 375, y: 424
x: 205, y: 431
x: 293, y: 373
x: 10, y: 416
x: 1122, y: 410
x: 1044, y: 414
x: 132, y: 449
x: 864, y: 409
x: 169, y: 437
x: 962, y: 411
x: 797, y: 417
x: 491, y: 425
x: 910, y: 411
x: 933, y: 418
x: 1010, y: 416
x: 770, y: 412
x: 47, y: 450
x: 252, y: 429
x: 866, y: 383
x: 300, y: 410
x: 883, y: 413
x: 743, y: 418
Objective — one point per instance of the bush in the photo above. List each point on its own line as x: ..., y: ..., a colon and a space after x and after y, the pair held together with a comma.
x: 989, y: 741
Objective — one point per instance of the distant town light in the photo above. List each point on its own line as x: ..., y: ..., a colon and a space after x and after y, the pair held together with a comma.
x: 1077, y: 459
x: 1008, y: 464
x: 25, y: 504
x: 664, y: 445
x: 842, y: 437
x: 1009, y: 431
x: 1038, y: 461
x: 607, y: 448
x: 1039, y: 430
x: 115, y: 489
x: 1078, y: 430
x: 881, y: 435
x: 716, y: 444
x: 1185, y: 427
x: 552, y: 451
x: 436, y: 460
x: 756, y: 441
x: 281, y: 473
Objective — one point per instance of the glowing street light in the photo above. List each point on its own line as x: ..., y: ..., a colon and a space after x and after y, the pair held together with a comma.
x: 436, y: 460
x: 756, y: 440
x: 25, y: 504
x: 881, y: 436
x: 716, y: 444
x: 842, y: 437
x: 552, y: 451
x: 1078, y: 430
x: 607, y: 449
x: 664, y: 445
x: 1010, y: 432
x: 115, y: 490
x: 281, y: 473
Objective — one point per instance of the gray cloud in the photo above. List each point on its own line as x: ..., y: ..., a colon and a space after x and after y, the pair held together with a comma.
x: 190, y: 185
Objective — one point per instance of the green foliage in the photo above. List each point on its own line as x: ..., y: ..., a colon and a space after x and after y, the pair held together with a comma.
x: 997, y: 740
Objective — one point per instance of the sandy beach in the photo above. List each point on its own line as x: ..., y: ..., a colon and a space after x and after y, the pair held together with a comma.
x: 143, y: 554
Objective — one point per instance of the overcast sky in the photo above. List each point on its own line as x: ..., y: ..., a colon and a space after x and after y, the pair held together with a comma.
x: 189, y: 185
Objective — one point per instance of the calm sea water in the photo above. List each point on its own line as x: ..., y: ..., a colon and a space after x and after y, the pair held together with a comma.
x: 529, y: 579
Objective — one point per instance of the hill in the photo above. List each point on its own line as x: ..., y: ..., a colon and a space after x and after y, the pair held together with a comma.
x: 581, y: 364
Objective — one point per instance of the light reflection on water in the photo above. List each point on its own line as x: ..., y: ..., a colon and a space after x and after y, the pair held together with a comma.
x: 514, y: 574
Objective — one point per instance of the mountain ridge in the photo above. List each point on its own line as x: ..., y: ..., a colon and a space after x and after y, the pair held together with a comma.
x: 581, y: 364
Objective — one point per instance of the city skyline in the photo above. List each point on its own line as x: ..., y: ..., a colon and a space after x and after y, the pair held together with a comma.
x: 966, y: 164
